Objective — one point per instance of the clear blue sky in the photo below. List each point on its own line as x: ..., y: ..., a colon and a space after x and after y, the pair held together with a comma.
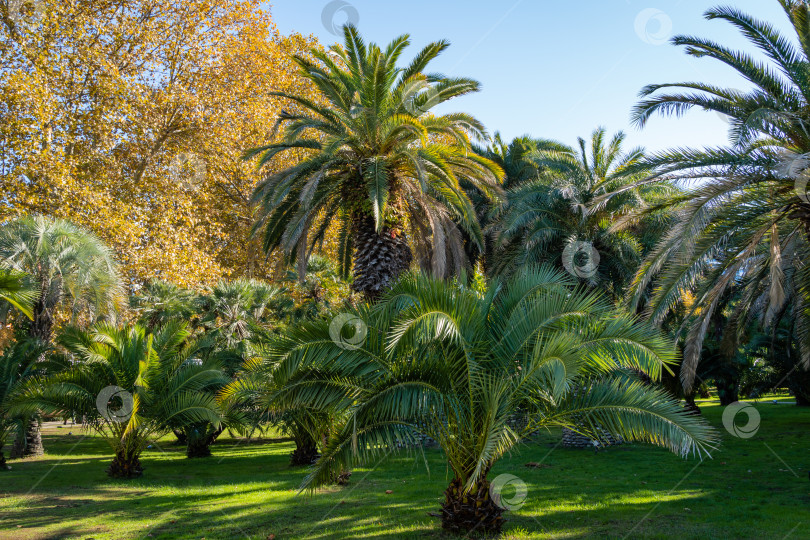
x: 554, y: 69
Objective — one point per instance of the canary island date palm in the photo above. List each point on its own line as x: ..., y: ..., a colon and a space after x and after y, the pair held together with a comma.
x: 375, y: 164
x: 554, y: 219
x: 464, y: 368
x: 742, y: 230
x: 130, y: 385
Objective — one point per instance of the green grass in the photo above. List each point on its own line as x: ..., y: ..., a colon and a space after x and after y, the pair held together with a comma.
x: 249, y: 491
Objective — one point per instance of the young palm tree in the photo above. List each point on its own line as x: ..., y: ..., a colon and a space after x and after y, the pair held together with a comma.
x: 160, y: 302
x: 376, y: 165
x: 461, y: 366
x: 743, y: 230
x: 556, y: 214
x: 70, y: 268
x: 129, y: 385
x: 19, y: 364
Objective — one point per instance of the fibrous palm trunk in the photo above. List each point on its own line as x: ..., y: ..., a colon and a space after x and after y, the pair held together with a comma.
x: 200, y: 438
x: 126, y: 464
x: 464, y: 513
x: 306, y: 451
x: 29, y: 442
x: 379, y: 258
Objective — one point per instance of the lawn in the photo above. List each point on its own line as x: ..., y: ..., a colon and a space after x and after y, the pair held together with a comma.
x: 752, y: 488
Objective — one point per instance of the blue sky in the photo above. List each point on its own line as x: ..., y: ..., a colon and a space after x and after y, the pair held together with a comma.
x: 553, y: 69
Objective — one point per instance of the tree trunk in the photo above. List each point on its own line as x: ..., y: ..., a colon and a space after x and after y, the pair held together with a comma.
x: 125, y: 465
x: 3, y: 466
x: 379, y: 258
x: 28, y: 443
x: 727, y: 390
x: 181, y: 437
x: 464, y: 513
x: 200, y: 441
x: 306, y: 451
x: 690, y: 405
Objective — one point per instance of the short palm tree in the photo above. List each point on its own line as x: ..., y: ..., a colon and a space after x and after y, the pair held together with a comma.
x: 376, y: 164
x: 742, y: 232
x: 19, y: 364
x: 557, y: 212
x: 464, y: 368
x: 70, y: 268
x: 159, y: 302
x: 129, y: 385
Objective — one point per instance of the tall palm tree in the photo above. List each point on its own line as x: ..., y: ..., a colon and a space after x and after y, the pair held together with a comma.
x: 460, y: 366
x: 557, y: 214
x: 70, y: 268
x: 376, y: 164
x: 130, y: 385
x: 742, y: 231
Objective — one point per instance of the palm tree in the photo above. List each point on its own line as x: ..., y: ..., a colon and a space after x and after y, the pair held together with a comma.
x: 160, y: 302
x: 130, y: 386
x: 70, y: 268
x: 554, y: 217
x: 519, y: 169
x: 376, y: 164
x: 461, y: 367
x: 18, y: 365
x: 742, y: 231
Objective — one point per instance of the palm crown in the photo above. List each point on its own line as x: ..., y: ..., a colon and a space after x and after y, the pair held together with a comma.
x: 558, y: 213
x: 740, y: 233
x: 376, y: 164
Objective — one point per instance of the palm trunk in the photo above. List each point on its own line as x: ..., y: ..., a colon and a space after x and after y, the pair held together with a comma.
x: 201, y: 439
x: 3, y: 466
x: 379, y: 258
x: 465, y: 513
x: 29, y: 442
x: 306, y: 451
x: 126, y: 464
